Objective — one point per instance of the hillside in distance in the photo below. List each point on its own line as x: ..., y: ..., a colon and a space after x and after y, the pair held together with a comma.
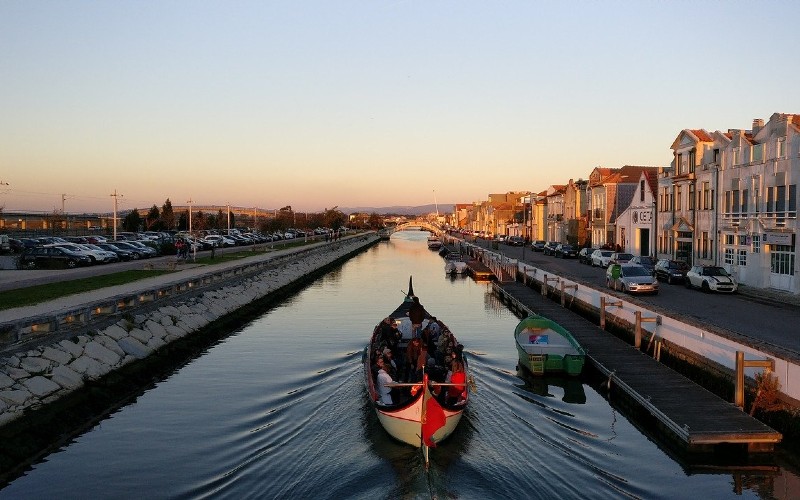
x: 401, y: 210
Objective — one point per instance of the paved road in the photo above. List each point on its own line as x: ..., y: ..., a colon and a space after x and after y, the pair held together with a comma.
x: 764, y: 316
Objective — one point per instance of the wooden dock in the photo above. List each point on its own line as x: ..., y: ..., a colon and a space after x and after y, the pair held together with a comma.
x: 697, y: 418
x: 479, y: 270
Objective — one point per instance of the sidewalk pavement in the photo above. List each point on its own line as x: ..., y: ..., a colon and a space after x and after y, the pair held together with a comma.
x: 14, y: 279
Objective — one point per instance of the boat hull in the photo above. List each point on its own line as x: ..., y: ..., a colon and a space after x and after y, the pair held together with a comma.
x: 406, y: 425
x: 543, y: 346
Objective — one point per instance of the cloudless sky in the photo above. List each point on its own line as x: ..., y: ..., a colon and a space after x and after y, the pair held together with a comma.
x: 317, y: 104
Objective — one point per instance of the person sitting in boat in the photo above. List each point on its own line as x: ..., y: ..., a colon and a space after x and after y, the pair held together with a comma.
x: 412, y: 354
x: 444, y: 347
x: 388, y: 363
x: 384, y: 391
x: 458, y: 376
x: 416, y: 313
x: 389, y: 335
x: 421, y: 362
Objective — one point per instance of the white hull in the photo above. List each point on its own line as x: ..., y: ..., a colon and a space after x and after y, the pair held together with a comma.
x: 406, y: 425
x: 455, y: 267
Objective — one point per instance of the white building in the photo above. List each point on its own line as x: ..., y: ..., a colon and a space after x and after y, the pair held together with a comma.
x: 636, y: 225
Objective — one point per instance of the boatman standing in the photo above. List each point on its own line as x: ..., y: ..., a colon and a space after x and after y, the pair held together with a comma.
x: 416, y: 313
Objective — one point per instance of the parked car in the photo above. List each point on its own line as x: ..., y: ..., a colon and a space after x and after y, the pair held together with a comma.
x: 646, y: 262
x: 52, y: 256
x: 566, y: 251
x: 621, y: 258
x: 218, y: 240
x: 585, y: 255
x: 515, y: 241
x: 17, y: 246
x: 124, y: 255
x: 538, y: 245
x: 136, y: 252
x: 671, y: 270
x: 5, y: 243
x: 601, y: 258
x: 710, y: 279
x: 550, y: 248
x: 631, y: 278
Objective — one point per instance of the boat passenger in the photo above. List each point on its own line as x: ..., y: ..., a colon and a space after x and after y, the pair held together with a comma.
x: 389, y: 335
x: 416, y: 313
x: 412, y: 354
x: 384, y: 392
x: 388, y: 363
x: 458, y: 376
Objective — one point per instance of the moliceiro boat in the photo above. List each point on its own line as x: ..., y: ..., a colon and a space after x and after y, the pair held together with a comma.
x: 417, y: 377
x: 544, y: 346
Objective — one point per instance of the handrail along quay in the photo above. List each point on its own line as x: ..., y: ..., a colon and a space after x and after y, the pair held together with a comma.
x: 697, y: 419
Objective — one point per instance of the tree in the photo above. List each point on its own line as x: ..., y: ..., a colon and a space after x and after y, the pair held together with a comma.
x: 132, y: 221
x: 183, y: 221
x: 375, y: 221
x: 153, y: 219
x: 334, y: 218
x: 222, y: 220
x: 167, y: 215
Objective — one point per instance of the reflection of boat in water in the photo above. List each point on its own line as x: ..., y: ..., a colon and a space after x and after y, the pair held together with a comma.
x: 572, y: 387
x: 544, y: 346
x: 414, y: 415
x: 454, y: 265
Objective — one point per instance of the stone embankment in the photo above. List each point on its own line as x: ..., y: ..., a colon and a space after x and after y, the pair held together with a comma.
x: 52, y: 370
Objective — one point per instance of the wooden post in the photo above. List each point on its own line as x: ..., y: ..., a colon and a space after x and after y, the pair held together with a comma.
x: 563, y: 295
x: 603, y: 304
x: 741, y: 364
x: 638, y: 329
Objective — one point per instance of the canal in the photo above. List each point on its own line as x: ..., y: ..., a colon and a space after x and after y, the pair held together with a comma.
x: 277, y: 409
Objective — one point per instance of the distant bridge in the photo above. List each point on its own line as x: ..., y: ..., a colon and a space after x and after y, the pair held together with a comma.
x: 417, y: 224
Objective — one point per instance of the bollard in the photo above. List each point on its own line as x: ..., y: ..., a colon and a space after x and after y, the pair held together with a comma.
x: 564, y: 296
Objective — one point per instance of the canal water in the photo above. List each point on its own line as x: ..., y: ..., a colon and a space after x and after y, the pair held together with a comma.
x: 278, y: 409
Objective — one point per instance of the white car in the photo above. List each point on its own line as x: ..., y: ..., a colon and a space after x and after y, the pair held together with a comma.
x: 601, y: 257
x: 710, y: 279
x: 219, y: 240
x: 631, y: 278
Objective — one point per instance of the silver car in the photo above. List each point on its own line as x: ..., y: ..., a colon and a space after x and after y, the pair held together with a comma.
x: 631, y: 278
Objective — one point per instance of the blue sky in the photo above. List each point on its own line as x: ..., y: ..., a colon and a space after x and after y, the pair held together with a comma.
x: 318, y: 104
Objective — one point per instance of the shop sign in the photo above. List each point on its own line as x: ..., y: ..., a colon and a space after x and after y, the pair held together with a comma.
x: 778, y: 238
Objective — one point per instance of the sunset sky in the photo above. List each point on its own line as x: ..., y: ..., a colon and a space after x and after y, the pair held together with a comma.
x: 317, y: 104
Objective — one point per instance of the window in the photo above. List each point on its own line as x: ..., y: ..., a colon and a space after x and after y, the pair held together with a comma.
x: 716, y: 156
x: 741, y: 258
x: 728, y: 239
x: 792, y: 200
x: 782, y: 260
x: 729, y: 256
x: 770, y: 199
x: 678, y: 205
x: 704, y: 253
x: 692, y: 159
x: 641, y: 190
x: 780, y: 199
x: 745, y: 194
x: 679, y: 165
x: 735, y: 157
x: 691, y: 197
x: 780, y: 148
x: 756, y: 243
x: 758, y: 153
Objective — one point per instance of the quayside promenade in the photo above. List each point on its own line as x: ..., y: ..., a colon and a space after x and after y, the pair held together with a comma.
x: 55, y: 348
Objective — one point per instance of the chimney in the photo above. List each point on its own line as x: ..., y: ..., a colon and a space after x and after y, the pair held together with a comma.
x: 758, y: 124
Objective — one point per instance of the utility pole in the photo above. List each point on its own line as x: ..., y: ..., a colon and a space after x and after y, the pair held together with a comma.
x: 116, y: 197
x: 229, y: 219
x: 194, y: 243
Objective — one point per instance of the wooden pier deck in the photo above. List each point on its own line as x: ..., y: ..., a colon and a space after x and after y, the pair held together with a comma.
x: 697, y: 418
x: 479, y: 270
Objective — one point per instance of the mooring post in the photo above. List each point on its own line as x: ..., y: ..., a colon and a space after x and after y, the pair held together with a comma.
x: 767, y: 364
x: 564, y: 296
x: 638, y: 329
x: 603, y: 305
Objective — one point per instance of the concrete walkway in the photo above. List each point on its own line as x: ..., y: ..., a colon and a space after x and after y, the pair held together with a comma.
x: 15, y: 279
